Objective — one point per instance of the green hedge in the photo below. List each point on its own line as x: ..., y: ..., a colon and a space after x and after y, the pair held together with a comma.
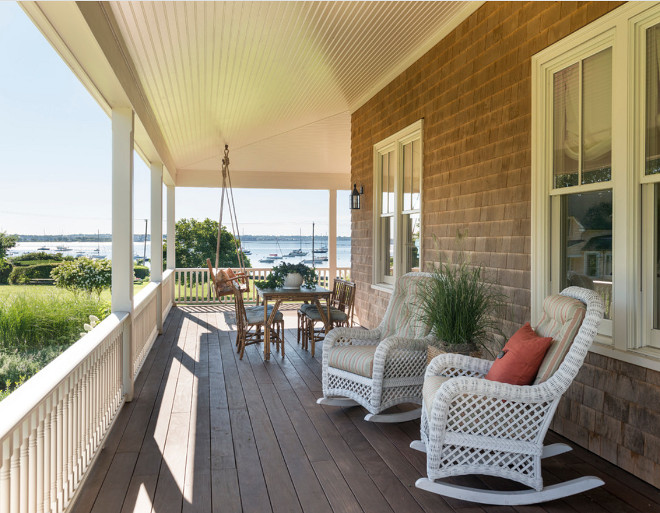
x: 5, y: 271
x: 141, y: 271
x: 38, y: 255
x: 22, y: 275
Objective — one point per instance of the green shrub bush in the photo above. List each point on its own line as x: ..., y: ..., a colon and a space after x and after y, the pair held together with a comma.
x: 5, y: 271
x: 141, y: 271
x: 17, y: 366
x: 22, y: 275
x: 83, y: 274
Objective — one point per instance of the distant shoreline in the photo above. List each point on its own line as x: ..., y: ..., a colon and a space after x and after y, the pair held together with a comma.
x: 107, y: 237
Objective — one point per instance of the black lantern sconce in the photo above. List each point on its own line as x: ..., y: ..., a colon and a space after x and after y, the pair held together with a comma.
x: 355, y: 197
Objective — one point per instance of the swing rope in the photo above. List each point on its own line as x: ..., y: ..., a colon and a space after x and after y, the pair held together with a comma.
x: 222, y: 280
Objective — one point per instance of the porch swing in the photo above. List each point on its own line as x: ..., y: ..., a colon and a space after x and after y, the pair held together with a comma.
x: 225, y: 281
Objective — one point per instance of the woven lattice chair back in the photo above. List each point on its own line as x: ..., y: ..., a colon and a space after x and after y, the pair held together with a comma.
x: 402, y: 317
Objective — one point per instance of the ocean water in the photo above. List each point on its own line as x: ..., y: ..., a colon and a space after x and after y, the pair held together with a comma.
x: 259, y: 250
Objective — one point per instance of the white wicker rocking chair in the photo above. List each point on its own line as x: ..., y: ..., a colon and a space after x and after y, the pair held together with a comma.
x: 471, y: 425
x: 382, y: 367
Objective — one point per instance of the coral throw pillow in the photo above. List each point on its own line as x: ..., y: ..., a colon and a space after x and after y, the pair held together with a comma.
x: 520, y: 359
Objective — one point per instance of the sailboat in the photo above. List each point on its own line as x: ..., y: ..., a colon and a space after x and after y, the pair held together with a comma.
x: 322, y: 249
x: 298, y: 252
x: 245, y: 251
x: 276, y: 256
x: 97, y: 251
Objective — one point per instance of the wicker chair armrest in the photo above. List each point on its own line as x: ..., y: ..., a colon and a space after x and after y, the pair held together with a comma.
x: 516, y: 412
x: 486, y: 389
x: 412, y: 344
x: 458, y: 364
x: 343, y: 336
x: 412, y: 350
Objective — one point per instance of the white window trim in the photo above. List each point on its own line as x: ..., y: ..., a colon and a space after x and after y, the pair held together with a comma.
x: 616, y: 29
x: 395, y: 141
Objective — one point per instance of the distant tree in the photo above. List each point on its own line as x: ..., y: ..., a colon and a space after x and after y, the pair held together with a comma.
x: 6, y: 242
x: 196, y: 241
x: 599, y: 217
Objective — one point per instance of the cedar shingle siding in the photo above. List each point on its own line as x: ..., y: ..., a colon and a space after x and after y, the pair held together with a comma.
x: 473, y: 90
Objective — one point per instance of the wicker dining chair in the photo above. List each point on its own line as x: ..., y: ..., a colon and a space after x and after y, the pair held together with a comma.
x: 382, y: 367
x: 342, y: 302
x: 250, y: 325
x: 471, y: 425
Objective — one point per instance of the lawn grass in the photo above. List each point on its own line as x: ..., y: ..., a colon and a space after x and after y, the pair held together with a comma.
x: 40, y: 290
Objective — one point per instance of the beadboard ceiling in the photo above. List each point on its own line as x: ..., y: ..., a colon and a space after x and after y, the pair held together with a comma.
x: 277, y: 81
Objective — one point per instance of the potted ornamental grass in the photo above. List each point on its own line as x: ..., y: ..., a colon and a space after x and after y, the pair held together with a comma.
x: 289, y: 276
x: 461, y: 308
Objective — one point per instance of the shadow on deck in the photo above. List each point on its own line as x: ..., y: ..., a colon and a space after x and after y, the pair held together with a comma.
x: 207, y: 432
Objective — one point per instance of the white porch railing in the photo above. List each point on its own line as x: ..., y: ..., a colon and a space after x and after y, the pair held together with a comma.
x: 145, y: 327
x: 52, y: 427
x: 192, y: 285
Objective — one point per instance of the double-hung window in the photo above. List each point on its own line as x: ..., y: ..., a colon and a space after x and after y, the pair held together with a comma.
x: 397, y: 204
x: 581, y: 174
x: 647, y: 153
x: 596, y: 174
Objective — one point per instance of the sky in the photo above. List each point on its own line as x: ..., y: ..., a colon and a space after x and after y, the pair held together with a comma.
x: 55, y: 156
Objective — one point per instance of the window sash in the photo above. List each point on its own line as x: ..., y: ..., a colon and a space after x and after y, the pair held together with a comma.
x: 410, y: 137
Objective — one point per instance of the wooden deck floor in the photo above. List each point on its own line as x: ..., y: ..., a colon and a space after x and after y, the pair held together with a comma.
x: 210, y: 433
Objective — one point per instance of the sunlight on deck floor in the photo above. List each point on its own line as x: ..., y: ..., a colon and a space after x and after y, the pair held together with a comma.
x: 209, y: 433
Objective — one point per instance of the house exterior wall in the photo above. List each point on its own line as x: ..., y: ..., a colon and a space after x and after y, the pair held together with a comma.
x: 473, y: 90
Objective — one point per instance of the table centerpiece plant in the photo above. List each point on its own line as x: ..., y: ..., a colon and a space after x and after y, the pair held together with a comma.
x: 279, y: 273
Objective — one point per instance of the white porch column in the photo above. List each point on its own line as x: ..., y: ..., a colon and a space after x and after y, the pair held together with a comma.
x: 157, y: 237
x: 171, y: 228
x: 332, y: 235
x: 122, y: 234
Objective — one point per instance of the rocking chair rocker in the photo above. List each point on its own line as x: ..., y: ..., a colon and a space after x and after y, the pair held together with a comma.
x: 471, y: 425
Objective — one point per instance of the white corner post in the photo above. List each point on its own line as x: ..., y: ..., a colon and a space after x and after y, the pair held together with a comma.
x: 332, y: 236
x: 122, y: 234
x: 157, y: 238
x: 171, y: 228
x: 171, y: 238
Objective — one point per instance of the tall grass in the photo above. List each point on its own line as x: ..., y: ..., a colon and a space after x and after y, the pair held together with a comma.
x: 36, y: 325
x: 460, y: 306
x: 33, y: 321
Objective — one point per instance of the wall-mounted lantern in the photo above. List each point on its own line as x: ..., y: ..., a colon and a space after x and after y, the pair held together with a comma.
x: 355, y: 197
